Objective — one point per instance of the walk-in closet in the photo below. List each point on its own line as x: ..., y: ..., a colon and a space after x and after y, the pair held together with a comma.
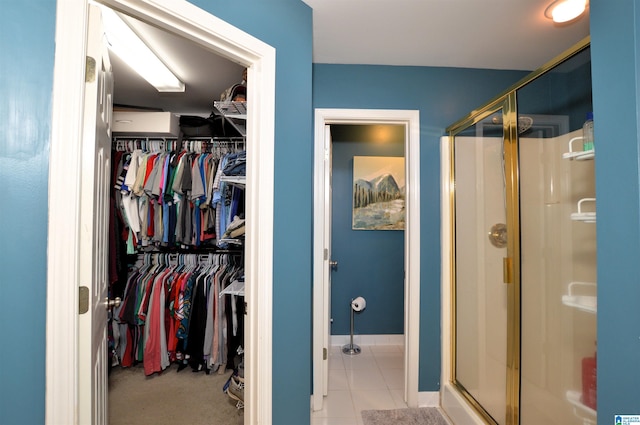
x: 176, y: 237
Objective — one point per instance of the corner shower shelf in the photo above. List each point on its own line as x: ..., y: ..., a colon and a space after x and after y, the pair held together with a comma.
x: 588, y: 303
x: 582, y: 411
x: 584, y: 216
x: 578, y: 155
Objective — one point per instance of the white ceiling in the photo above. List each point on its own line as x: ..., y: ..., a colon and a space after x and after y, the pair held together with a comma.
x: 205, y: 74
x: 490, y: 34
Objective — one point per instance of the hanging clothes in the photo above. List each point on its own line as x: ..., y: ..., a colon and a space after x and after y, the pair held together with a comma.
x: 172, y: 311
x: 177, y: 199
x: 167, y: 197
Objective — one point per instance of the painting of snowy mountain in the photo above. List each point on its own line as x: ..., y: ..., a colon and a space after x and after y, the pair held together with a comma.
x: 378, y: 193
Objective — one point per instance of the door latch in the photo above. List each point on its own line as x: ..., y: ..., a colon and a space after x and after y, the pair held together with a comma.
x: 83, y: 299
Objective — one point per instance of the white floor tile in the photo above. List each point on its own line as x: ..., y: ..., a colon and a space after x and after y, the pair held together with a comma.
x: 394, y: 378
x: 359, y: 362
x: 335, y: 421
x: 337, y: 404
x: 376, y: 349
x: 372, y: 400
x: 365, y: 379
x: 338, y: 379
x: 398, y: 398
x: 335, y: 349
x: 335, y: 361
x: 389, y: 360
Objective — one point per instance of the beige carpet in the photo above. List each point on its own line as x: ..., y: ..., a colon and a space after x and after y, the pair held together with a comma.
x: 171, y: 398
x: 420, y: 416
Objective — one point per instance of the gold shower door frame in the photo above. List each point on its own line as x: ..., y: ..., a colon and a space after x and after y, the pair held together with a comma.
x: 511, y: 272
x: 506, y: 102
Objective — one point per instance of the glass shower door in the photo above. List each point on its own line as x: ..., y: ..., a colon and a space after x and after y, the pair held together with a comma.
x: 558, y: 249
x: 523, y: 281
x: 481, y: 296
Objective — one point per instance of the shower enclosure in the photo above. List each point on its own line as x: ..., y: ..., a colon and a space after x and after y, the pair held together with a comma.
x: 521, y: 288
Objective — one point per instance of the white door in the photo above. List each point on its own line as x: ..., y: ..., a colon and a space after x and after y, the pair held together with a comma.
x: 94, y: 228
x: 326, y: 308
x: 322, y: 275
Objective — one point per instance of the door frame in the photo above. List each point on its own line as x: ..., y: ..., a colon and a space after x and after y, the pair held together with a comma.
x: 411, y: 120
x: 65, y: 164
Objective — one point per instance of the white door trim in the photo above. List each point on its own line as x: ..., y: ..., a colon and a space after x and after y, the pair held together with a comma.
x: 185, y: 19
x: 411, y: 119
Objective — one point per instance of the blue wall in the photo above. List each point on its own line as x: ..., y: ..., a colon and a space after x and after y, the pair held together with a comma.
x: 564, y: 91
x: 615, y: 59
x: 442, y: 95
x: 374, y: 260
x: 26, y: 76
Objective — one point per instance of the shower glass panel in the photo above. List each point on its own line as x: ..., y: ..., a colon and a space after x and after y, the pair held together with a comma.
x: 480, y: 246
x: 558, y: 248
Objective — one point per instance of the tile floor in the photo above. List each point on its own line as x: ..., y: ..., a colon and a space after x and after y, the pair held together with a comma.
x: 372, y: 379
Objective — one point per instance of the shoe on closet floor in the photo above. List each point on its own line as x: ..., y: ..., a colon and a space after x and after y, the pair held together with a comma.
x: 235, y: 390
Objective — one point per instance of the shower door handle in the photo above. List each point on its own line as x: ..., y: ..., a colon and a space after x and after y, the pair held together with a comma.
x: 507, y: 270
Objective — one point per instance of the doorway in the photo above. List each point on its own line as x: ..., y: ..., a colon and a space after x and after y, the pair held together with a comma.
x: 322, y: 258
x: 185, y: 20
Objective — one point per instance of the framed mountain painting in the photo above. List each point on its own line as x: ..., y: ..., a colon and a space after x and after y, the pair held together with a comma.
x: 378, y: 193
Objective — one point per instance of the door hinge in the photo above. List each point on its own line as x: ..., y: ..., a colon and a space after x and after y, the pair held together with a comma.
x: 326, y: 254
x: 324, y: 354
x: 83, y: 299
x: 507, y: 270
x: 245, y: 308
x: 90, y: 71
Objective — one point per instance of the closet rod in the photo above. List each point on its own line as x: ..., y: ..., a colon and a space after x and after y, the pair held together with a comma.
x: 172, y: 139
x: 195, y: 251
x: 148, y: 143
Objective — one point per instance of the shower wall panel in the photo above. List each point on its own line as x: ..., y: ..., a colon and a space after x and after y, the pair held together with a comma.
x: 555, y: 251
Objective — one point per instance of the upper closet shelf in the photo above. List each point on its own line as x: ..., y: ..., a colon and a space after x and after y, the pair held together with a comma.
x: 232, y: 109
x: 578, y: 155
x: 150, y: 124
x: 235, y: 113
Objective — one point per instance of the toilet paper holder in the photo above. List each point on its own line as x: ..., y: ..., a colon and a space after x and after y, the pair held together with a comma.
x: 357, y: 304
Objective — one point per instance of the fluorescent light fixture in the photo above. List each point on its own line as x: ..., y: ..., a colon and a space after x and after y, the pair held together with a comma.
x: 125, y: 43
x: 565, y: 10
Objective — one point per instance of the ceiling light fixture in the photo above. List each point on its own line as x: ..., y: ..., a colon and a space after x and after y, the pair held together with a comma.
x: 565, y: 10
x: 125, y: 43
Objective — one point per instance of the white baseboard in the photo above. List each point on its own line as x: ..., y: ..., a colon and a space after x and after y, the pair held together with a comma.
x: 429, y: 399
x: 368, y: 339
